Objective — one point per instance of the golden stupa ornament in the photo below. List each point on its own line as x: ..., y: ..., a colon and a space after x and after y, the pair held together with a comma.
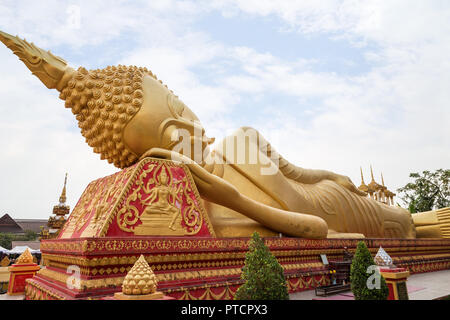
x: 25, y: 258
x: 140, y: 283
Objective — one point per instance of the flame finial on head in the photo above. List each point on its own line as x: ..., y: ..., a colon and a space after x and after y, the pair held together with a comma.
x: 49, y: 68
x: 103, y: 100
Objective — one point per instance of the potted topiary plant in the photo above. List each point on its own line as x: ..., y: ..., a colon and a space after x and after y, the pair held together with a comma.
x: 263, y: 275
x: 363, y: 268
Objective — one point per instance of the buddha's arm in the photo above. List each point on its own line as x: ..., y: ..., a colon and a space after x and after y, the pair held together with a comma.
x: 219, y: 191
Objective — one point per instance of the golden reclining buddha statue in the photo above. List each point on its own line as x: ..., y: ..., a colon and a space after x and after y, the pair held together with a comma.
x: 126, y: 114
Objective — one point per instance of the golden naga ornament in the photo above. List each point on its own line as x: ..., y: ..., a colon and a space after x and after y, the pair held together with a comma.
x: 126, y: 114
x: 140, y: 283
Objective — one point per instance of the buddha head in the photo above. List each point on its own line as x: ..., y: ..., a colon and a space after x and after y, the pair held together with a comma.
x: 122, y: 111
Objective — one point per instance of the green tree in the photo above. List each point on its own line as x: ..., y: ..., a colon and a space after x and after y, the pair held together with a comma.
x: 30, y: 235
x: 359, y: 275
x: 6, y: 240
x: 429, y: 191
x: 263, y: 275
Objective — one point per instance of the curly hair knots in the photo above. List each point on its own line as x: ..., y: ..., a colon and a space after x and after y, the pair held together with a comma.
x: 104, y: 101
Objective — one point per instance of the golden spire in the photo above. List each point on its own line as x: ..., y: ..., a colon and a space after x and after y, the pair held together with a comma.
x: 388, y: 193
x: 25, y: 257
x: 62, y: 198
x: 373, y: 186
x: 362, y: 177
x: 363, y: 187
x: 382, y: 183
x: 49, y: 68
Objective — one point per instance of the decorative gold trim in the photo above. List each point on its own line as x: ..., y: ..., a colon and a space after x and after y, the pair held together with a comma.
x: 30, y: 292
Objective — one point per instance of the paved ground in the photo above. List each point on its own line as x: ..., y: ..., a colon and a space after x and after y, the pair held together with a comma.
x: 423, y: 286
x: 8, y: 297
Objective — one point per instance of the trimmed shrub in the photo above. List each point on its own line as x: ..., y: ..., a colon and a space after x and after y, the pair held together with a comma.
x: 263, y: 275
x: 359, y: 276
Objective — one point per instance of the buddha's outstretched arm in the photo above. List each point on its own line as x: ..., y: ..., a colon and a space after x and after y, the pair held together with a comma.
x: 219, y: 191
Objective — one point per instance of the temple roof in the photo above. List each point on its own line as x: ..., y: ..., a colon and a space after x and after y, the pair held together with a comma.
x: 31, y: 224
x: 8, y: 225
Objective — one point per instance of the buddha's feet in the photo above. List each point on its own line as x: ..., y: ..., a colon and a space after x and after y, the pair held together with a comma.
x: 433, y: 224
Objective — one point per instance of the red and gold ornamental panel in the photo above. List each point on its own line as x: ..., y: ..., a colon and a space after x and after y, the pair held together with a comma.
x: 153, y: 197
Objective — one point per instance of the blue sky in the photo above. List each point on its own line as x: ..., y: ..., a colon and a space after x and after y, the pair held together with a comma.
x: 269, y: 35
x: 331, y: 84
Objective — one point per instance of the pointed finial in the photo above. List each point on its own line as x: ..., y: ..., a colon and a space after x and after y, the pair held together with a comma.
x: 382, y: 180
x: 362, y: 177
x: 49, y: 68
x: 363, y: 187
x: 371, y: 173
x: 62, y: 198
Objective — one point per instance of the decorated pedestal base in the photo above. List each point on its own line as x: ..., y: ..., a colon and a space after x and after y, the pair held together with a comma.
x: 396, y: 282
x: 154, y: 209
x: 205, y: 268
x: 20, y: 272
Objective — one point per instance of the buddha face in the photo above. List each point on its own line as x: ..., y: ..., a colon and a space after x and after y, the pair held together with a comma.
x: 164, y: 122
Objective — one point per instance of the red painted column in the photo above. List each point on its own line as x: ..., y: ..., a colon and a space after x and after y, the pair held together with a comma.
x: 396, y: 281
